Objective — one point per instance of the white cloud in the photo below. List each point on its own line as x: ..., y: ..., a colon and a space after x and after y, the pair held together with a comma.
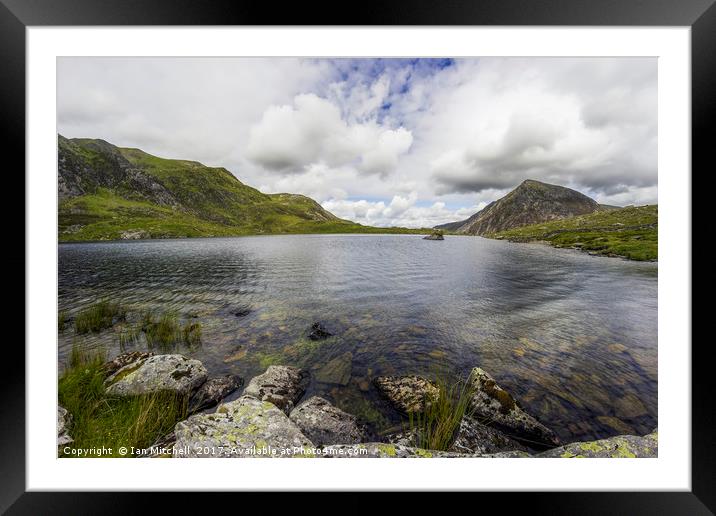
x: 311, y: 131
x: 404, y: 141
x: 401, y: 211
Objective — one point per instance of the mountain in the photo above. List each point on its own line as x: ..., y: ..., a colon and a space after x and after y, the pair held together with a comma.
x: 531, y: 202
x: 107, y: 192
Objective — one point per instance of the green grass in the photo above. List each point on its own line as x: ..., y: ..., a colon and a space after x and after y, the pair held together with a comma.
x: 165, y: 331
x: 203, y: 201
x: 436, y: 427
x: 101, y: 420
x: 630, y: 232
x: 98, y: 317
x: 62, y: 320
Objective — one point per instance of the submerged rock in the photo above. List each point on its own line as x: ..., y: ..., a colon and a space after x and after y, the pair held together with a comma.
x: 213, y: 391
x: 318, y: 332
x: 157, y: 373
x: 621, y: 446
x: 281, y: 385
x: 326, y: 424
x: 123, y: 360
x: 475, y: 438
x: 64, y: 422
x: 491, y: 404
x: 243, y: 428
x: 336, y: 371
x: 408, y: 394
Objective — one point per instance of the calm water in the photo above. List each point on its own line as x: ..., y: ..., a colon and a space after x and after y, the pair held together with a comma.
x: 571, y: 336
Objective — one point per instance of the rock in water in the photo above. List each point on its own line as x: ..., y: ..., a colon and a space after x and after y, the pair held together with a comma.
x: 408, y: 394
x: 213, y: 391
x: 491, y: 404
x: 318, y: 332
x: 281, y: 385
x: 621, y: 446
x: 243, y: 428
x: 124, y: 359
x: 435, y: 235
x: 475, y: 438
x: 157, y: 373
x: 336, y: 371
x: 325, y: 424
x: 64, y: 422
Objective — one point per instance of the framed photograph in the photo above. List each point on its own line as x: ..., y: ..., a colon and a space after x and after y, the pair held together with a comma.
x: 454, y: 242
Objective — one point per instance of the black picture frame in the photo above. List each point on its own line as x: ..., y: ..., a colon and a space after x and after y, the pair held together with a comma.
x: 17, y: 15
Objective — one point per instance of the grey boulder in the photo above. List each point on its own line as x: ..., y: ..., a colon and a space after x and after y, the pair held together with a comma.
x: 621, y: 446
x: 408, y: 394
x: 64, y: 422
x: 475, y: 438
x: 326, y: 424
x: 213, y: 391
x: 157, y: 373
x: 490, y: 404
x: 281, y: 385
x: 243, y: 428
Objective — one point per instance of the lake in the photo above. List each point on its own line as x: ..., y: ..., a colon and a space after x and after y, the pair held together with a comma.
x: 572, y: 337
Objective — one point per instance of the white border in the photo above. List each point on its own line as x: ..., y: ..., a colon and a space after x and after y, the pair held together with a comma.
x: 670, y: 471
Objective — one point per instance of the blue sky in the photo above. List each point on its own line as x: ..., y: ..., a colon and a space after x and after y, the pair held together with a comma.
x: 411, y: 142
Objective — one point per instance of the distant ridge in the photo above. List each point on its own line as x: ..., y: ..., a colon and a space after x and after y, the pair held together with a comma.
x: 531, y: 202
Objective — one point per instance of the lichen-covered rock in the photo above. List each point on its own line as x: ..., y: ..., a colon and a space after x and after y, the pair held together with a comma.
x: 123, y: 360
x: 243, y: 428
x: 336, y: 371
x: 475, y: 438
x: 157, y: 373
x: 281, y: 385
x: 409, y: 394
x: 516, y: 454
x: 325, y: 424
x: 64, y: 422
x: 491, y: 404
x: 621, y: 446
x: 213, y: 391
x: 382, y: 450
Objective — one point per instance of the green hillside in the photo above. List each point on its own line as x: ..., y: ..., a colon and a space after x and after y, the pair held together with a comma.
x: 630, y: 232
x: 111, y: 193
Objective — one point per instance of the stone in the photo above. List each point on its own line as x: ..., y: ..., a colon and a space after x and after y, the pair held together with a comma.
x: 281, y: 385
x: 64, y: 422
x: 326, y: 424
x: 475, y: 438
x: 157, y: 373
x: 124, y: 359
x: 244, y: 428
x: 318, y: 332
x: 621, y: 446
x: 435, y: 235
x: 213, y: 391
x: 382, y: 451
x: 408, y: 394
x: 336, y: 371
x: 492, y: 405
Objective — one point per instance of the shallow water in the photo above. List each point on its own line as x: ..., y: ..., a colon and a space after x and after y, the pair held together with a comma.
x: 573, y: 337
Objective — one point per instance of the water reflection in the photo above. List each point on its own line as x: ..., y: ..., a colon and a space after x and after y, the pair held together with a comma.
x: 573, y: 337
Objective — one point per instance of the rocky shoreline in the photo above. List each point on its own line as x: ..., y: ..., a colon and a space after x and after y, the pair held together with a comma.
x: 270, y: 418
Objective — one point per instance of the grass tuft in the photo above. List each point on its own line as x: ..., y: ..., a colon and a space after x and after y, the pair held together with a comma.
x: 62, y: 320
x: 100, y: 420
x: 435, y: 428
x: 99, y: 316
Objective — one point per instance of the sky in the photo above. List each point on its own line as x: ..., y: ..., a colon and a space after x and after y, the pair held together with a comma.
x: 384, y: 142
